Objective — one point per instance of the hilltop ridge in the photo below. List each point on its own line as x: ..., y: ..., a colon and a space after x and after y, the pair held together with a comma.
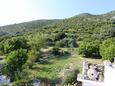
x: 33, y: 26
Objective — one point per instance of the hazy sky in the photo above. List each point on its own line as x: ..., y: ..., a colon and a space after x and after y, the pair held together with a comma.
x: 15, y: 11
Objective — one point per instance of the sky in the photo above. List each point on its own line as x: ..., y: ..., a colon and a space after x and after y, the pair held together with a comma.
x: 16, y: 11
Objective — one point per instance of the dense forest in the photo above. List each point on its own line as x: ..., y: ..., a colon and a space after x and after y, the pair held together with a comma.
x: 43, y: 45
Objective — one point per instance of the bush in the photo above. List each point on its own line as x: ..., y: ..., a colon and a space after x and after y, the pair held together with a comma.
x: 49, y: 42
x: 67, y: 42
x: 90, y: 48
x: 55, y: 51
x: 71, y: 77
x: 33, y: 55
x: 14, y: 44
x: 107, y: 49
x: 22, y: 83
x: 14, y: 62
x: 59, y: 36
x: 60, y: 43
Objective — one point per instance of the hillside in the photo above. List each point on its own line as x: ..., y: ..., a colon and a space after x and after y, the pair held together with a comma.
x: 83, y: 21
x: 26, y: 27
x: 52, y: 51
x: 86, y: 25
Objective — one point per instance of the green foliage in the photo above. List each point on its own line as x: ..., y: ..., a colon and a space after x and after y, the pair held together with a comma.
x: 71, y: 32
x: 49, y: 41
x: 52, y: 69
x: 66, y: 42
x: 14, y: 62
x: 36, y: 41
x: 33, y: 55
x: 14, y: 44
x: 24, y: 28
x: 60, y: 43
x: 59, y: 36
x: 70, y: 77
x: 89, y: 48
x: 107, y: 49
x: 22, y: 83
x: 55, y: 51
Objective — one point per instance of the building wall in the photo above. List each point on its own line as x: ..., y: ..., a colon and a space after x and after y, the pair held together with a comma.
x: 109, y: 77
x: 109, y: 73
x: 90, y: 84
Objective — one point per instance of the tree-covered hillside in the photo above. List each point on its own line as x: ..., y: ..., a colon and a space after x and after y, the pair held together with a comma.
x: 26, y: 27
x: 87, y: 25
x: 49, y: 50
x: 82, y: 23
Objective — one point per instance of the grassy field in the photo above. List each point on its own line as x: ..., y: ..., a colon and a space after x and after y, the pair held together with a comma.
x: 56, y: 64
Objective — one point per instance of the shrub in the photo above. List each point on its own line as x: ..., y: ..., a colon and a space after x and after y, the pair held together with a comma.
x: 55, y: 51
x: 22, y: 83
x: 33, y: 55
x: 71, y: 77
x: 60, y: 43
x: 59, y: 36
x: 107, y: 49
x: 14, y: 44
x: 89, y: 48
x: 14, y: 62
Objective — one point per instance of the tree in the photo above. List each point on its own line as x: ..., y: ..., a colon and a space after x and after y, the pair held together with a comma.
x: 33, y: 55
x: 107, y: 49
x: 89, y: 48
x: 37, y: 41
x: 59, y: 36
x: 14, y: 62
x: 14, y: 44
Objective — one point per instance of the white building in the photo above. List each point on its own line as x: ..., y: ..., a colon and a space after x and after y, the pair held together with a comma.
x: 97, y: 75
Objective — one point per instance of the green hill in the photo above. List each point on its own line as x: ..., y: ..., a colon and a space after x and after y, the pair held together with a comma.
x: 86, y: 25
x: 46, y: 49
x: 82, y: 23
x: 26, y: 27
